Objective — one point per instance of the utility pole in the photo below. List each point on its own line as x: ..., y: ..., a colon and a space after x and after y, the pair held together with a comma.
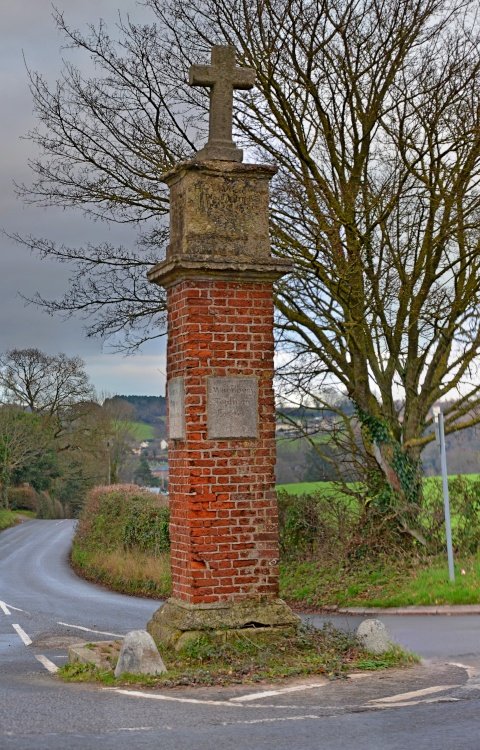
x: 440, y: 439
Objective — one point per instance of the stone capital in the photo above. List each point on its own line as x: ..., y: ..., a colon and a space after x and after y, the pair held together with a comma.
x: 219, y: 216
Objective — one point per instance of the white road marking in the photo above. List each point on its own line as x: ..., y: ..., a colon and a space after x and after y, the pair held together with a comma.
x: 49, y: 665
x: 137, y: 729
x: 90, y: 630
x: 10, y: 606
x: 20, y: 631
x: 159, y: 697
x: 401, y: 697
x: 272, y: 720
x: 407, y: 704
x: 4, y: 608
x: 174, y: 699
x: 280, y: 691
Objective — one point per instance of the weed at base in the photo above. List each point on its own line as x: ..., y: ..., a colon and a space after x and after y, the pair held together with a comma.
x: 327, y: 651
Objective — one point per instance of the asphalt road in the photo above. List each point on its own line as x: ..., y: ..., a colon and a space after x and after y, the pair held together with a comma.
x: 435, y: 705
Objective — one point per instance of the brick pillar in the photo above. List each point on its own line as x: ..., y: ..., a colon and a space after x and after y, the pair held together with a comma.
x: 222, y: 498
x: 224, y: 523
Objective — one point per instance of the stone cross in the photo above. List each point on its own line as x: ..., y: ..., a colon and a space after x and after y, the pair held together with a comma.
x: 221, y: 77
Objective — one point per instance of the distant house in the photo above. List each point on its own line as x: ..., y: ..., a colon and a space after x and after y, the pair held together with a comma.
x: 160, y: 471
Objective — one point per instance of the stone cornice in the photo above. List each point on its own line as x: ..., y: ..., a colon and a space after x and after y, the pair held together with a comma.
x: 171, y: 272
x: 218, y: 168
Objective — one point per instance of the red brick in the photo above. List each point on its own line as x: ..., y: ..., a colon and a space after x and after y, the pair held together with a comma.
x: 222, y: 492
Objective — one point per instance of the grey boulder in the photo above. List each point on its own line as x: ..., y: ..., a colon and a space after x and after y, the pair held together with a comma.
x: 374, y: 636
x: 139, y: 655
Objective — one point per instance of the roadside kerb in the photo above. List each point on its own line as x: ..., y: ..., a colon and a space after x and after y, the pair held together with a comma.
x: 446, y: 609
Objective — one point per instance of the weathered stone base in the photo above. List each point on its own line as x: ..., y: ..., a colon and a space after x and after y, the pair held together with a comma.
x: 178, y: 622
x: 102, y: 654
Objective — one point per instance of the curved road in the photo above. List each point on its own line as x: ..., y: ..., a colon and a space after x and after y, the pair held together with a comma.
x: 35, y: 576
x: 435, y: 705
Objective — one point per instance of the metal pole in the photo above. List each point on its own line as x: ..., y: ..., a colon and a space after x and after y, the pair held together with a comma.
x: 109, y: 464
x: 440, y: 434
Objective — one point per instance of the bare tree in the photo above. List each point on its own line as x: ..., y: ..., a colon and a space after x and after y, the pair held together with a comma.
x: 42, y: 382
x: 371, y: 110
x: 22, y: 440
x: 119, y: 417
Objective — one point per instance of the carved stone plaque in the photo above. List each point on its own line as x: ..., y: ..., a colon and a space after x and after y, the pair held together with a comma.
x: 232, y: 407
x: 176, y: 409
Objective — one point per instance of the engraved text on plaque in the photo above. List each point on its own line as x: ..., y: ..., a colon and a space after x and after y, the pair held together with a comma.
x: 232, y: 407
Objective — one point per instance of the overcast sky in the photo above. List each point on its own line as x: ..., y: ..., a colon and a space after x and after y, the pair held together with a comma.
x: 27, y: 29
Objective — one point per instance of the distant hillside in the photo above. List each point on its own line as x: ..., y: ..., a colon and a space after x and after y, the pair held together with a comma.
x: 149, y: 409
x: 297, y: 461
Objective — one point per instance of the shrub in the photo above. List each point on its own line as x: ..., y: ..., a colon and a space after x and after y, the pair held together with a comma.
x: 49, y: 507
x: 124, y: 517
x: 23, y: 497
x: 464, y: 495
x: 318, y: 524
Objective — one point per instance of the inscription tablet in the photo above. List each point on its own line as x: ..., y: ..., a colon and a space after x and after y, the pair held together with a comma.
x: 176, y: 409
x: 232, y: 407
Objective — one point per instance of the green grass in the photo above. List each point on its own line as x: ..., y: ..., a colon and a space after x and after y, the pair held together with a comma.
x: 12, y: 517
x: 142, y: 431
x: 388, y: 584
x: 135, y: 573
x: 293, y: 443
x: 300, y: 488
x: 307, y: 583
x: 308, y: 488
x: 243, y: 659
x: 7, y: 518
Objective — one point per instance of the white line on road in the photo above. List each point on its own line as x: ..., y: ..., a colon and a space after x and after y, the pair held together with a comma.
x: 272, y: 720
x: 138, y: 729
x: 413, y: 694
x: 371, y: 704
x: 4, y: 608
x: 47, y: 663
x: 20, y: 631
x: 90, y: 630
x: 280, y: 691
x: 175, y: 699
x: 407, y: 704
x: 4, y: 605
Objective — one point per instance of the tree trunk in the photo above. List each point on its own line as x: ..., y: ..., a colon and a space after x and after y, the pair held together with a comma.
x: 395, y: 489
x: 4, y: 493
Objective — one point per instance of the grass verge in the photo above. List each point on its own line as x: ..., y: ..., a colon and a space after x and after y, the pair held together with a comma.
x: 13, y: 517
x: 136, y: 573
x: 387, y: 584
x: 328, y: 652
x: 304, y: 584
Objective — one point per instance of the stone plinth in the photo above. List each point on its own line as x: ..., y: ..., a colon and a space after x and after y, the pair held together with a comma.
x: 219, y: 276
x: 177, y: 621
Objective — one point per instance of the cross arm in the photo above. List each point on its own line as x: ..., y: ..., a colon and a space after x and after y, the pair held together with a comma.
x: 202, y: 75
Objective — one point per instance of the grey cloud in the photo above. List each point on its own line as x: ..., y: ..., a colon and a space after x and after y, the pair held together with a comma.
x: 27, y: 29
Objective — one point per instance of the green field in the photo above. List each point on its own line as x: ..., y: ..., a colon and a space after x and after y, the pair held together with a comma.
x: 142, y: 431
x: 306, y: 488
